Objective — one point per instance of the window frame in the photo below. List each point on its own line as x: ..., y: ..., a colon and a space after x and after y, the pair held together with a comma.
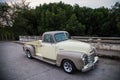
x: 61, y: 40
x: 51, y: 38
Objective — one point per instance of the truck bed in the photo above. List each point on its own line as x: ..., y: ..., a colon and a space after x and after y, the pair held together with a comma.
x: 38, y: 42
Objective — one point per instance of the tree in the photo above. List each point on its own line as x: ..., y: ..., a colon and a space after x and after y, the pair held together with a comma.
x: 74, y: 26
x: 82, y: 20
x: 115, y: 14
x: 5, y: 18
x: 19, y: 19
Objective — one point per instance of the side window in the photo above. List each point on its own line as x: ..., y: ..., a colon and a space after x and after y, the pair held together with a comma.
x: 48, y: 38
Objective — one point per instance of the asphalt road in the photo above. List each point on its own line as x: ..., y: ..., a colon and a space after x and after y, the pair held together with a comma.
x: 15, y: 66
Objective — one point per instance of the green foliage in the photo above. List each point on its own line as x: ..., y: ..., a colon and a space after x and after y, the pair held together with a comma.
x: 74, y: 26
x: 59, y: 16
x: 4, y: 14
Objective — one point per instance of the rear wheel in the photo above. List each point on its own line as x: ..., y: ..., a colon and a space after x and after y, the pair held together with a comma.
x: 68, y: 66
x: 28, y: 54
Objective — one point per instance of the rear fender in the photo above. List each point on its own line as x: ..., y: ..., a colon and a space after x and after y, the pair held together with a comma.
x: 30, y: 48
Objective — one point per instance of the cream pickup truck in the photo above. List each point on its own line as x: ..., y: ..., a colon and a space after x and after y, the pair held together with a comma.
x: 57, y: 48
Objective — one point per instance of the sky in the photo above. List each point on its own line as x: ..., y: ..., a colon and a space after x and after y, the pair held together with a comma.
x: 81, y: 3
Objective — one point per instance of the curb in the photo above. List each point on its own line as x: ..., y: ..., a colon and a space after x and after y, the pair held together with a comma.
x: 113, y: 57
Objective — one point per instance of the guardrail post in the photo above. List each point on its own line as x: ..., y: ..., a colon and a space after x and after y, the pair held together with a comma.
x: 98, y: 45
x: 90, y: 40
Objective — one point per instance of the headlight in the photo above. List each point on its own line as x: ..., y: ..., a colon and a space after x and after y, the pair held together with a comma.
x: 85, y: 59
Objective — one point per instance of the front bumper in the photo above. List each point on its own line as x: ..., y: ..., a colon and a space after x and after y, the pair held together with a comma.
x: 89, y: 66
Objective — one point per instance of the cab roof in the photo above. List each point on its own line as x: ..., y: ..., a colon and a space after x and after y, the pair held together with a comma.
x: 54, y: 32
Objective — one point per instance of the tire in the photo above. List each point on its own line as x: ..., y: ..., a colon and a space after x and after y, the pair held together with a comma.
x: 68, y: 66
x: 28, y: 54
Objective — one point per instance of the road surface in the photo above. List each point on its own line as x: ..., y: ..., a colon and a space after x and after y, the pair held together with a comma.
x: 15, y: 66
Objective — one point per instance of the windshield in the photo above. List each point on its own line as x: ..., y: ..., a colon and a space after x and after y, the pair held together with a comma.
x: 61, y: 37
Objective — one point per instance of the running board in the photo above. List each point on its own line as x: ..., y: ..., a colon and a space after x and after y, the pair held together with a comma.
x: 53, y: 62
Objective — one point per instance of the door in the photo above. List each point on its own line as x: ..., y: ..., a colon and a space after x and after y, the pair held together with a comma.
x: 48, y: 51
x: 47, y: 48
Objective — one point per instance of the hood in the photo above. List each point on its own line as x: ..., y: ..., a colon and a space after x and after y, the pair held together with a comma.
x: 73, y: 45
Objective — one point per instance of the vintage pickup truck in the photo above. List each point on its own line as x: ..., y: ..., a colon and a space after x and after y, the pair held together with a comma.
x: 57, y: 48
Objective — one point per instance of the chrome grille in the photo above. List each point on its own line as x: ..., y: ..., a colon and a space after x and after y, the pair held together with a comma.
x: 86, y: 60
x: 91, y: 58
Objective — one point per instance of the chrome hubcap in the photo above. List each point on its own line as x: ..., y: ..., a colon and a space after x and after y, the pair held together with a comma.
x: 28, y: 54
x: 67, y: 67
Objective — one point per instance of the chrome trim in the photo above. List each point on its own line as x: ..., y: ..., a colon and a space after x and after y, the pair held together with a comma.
x: 89, y: 66
x: 85, y: 59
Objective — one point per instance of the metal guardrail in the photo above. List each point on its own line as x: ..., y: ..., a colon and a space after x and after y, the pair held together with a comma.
x: 109, y: 43
x: 29, y: 38
x: 112, y: 40
x: 104, y: 38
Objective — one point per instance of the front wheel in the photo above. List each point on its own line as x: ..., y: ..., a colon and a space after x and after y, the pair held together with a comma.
x: 68, y: 66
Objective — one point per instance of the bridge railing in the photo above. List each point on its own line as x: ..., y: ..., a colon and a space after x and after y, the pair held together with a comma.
x: 29, y: 38
x: 114, y: 40
x: 109, y: 43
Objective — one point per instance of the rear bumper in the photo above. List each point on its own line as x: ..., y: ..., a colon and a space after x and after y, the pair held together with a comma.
x: 89, y: 66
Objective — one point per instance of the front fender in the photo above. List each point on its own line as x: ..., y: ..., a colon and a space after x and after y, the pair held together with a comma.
x: 75, y: 57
